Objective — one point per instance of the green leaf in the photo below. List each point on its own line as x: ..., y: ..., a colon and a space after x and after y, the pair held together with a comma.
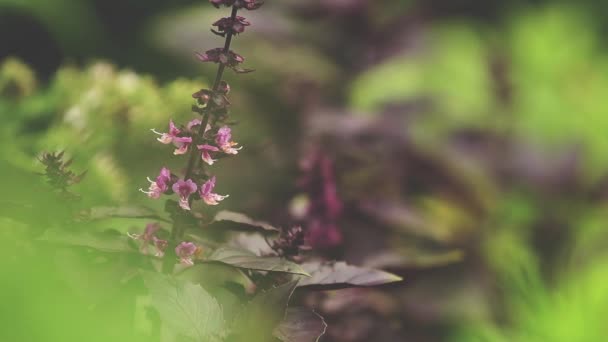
x: 300, y: 325
x: 185, y: 308
x: 100, y: 213
x: 109, y: 241
x: 336, y: 275
x: 264, y: 313
x: 245, y: 259
x: 230, y: 220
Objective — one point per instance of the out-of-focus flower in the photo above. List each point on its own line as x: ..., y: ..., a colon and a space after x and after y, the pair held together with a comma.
x: 324, y: 206
x: 207, y: 194
x: 149, y: 238
x: 323, y: 234
x: 186, y: 252
x: 160, y: 185
x: 246, y: 4
x: 160, y: 245
x: 205, y: 155
x: 224, y: 88
x: 184, y: 188
x: 236, y: 25
x: 223, y: 140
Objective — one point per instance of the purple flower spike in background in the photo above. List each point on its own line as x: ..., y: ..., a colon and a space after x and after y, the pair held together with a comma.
x: 160, y: 185
x: 184, y: 189
x: 186, y: 251
x: 207, y: 194
x: 223, y: 140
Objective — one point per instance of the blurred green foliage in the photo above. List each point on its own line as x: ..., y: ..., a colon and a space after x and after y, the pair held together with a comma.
x: 556, y: 79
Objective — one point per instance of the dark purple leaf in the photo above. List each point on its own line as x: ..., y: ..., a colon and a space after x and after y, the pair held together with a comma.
x: 300, y: 325
x: 245, y: 259
x: 230, y: 220
x: 336, y: 275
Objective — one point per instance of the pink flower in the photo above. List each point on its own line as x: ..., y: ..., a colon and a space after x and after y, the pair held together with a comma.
x: 167, y: 138
x: 192, y: 123
x: 181, y: 143
x: 184, y: 189
x: 186, y: 251
x: 160, y: 246
x: 206, y: 156
x: 149, y: 237
x: 223, y: 140
x: 160, y: 186
x: 208, y: 196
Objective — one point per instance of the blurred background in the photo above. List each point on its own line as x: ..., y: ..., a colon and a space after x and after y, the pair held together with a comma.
x: 467, y: 141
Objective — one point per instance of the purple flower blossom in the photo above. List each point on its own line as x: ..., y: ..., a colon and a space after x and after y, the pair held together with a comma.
x: 236, y: 26
x: 184, y: 189
x: 167, y: 138
x: 207, y: 194
x: 160, y: 185
x: 186, y: 251
x: 181, y: 143
x: 217, y: 55
x: 205, y: 155
x: 223, y: 140
x: 149, y: 238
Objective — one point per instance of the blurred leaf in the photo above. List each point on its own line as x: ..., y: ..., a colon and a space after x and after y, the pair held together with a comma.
x: 300, y: 325
x: 100, y: 213
x: 413, y: 258
x: 230, y: 220
x: 264, y: 312
x: 185, y: 308
x: 109, y: 241
x: 244, y: 259
x: 336, y: 275
x: 215, y: 275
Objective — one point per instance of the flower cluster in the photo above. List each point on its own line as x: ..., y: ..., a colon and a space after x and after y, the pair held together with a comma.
x: 291, y: 243
x: 205, y: 140
x: 226, y: 25
x: 148, y: 238
x: 228, y: 58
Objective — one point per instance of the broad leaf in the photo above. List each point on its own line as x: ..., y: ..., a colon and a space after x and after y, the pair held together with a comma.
x: 230, y: 220
x: 300, y: 325
x: 265, y: 311
x: 245, y: 259
x: 106, y: 241
x: 185, y: 308
x: 335, y: 275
